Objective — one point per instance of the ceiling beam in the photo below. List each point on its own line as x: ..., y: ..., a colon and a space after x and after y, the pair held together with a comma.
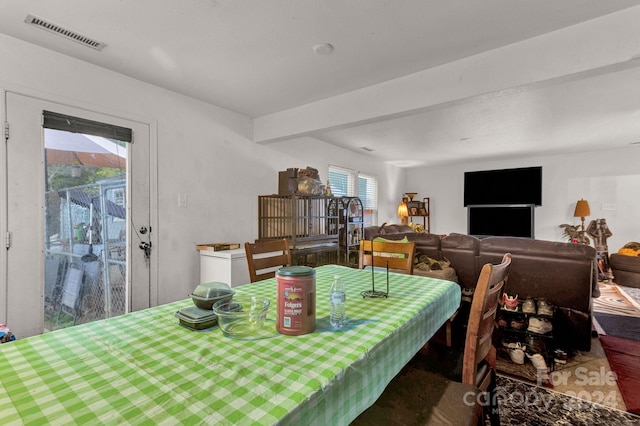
x: 601, y: 45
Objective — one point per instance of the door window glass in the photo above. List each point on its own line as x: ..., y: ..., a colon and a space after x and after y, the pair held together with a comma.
x: 85, y: 228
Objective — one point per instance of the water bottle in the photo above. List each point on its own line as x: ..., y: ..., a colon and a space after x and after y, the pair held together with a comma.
x: 338, y: 300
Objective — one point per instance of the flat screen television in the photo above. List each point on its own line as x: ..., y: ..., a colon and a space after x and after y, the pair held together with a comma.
x: 505, y: 186
x: 504, y: 221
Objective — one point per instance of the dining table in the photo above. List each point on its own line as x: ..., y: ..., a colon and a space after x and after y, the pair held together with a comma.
x: 144, y: 367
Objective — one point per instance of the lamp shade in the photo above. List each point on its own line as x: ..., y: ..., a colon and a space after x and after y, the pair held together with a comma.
x: 403, y: 211
x: 582, y: 209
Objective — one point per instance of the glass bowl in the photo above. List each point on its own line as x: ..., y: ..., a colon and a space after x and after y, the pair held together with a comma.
x: 205, y: 295
x: 242, y: 316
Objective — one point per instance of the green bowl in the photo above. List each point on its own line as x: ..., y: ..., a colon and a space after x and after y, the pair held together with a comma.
x: 205, y: 295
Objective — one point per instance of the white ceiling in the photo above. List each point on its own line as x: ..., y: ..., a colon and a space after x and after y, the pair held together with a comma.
x: 255, y: 57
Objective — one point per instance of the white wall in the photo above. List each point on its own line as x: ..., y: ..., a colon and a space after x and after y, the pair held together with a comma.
x: 202, y: 150
x: 603, y: 177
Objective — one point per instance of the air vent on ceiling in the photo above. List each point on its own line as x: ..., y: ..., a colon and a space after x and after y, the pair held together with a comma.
x: 57, y: 29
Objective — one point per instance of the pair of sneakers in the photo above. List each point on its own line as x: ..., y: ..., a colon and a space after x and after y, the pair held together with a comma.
x: 543, y: 307
x: 539, y: 325
x: 517, y: 356
x: 518, y: 351
x: 510, y: 303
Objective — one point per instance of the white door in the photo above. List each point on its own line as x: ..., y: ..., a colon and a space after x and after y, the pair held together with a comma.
x: 24, y: 287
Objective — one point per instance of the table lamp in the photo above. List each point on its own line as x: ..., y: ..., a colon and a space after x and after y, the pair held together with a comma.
x: 403, y: 212
x: 582, y: 210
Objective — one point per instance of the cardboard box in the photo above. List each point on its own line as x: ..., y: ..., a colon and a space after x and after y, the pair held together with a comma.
x: 288, y: 182
x: 217, y: 246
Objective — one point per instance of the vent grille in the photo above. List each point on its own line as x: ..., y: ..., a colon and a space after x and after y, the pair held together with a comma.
x: 57, y: 29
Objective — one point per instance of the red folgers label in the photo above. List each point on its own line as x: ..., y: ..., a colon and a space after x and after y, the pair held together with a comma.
x: 296, y: 300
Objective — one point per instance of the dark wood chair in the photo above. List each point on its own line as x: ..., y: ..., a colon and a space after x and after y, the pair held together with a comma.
x: 417, y: 396
x: 397, y: 255
x: 265, y: 258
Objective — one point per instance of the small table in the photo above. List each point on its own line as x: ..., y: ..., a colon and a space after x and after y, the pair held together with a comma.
x: 145, y: 368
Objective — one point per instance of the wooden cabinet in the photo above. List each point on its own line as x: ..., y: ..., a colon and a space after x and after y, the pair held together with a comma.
x: 420, y: 210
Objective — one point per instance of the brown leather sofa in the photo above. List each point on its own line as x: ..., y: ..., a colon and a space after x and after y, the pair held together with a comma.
x: 625, y: 269
x: 563, y: 273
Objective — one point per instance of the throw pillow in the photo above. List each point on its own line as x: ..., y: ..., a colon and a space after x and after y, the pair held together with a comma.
x: 630, y: 249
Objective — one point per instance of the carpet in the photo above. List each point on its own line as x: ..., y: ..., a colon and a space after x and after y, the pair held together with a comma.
x: 525, y: 405
x: 618, y: 326
x: 614, y: 301
x: 615, y: 313
x: 624, y: 356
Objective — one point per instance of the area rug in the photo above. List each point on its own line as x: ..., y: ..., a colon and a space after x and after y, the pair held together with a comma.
x: 526, y: 405
x: 615, y: 313
x: 618, y: 326
x: 614, y: 301
x: 624, y: 358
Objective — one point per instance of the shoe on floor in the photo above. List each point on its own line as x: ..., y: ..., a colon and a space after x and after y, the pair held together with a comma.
x: 517, y: 356
x: 538, y: 361
x: 529, y: 306
x: 514, y: 345
x: 560, y: 357
x: 539, y: 325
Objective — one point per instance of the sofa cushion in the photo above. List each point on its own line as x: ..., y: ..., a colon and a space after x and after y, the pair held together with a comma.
x: 462, y: 250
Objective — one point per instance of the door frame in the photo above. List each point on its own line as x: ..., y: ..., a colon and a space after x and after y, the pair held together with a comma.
x: 91, y: 108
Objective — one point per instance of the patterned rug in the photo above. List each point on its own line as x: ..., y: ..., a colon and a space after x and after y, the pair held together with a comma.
x: 525, y: 405
x: 613, y: 300
x: 616, y: 313
x: 616, y: 316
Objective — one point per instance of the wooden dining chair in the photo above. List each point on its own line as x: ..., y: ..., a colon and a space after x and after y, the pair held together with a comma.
x: 397, y: 255
x: 264, y: 258
x: 417, y: 396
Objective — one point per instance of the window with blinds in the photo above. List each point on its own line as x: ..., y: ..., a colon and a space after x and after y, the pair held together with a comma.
x: 350, y: 183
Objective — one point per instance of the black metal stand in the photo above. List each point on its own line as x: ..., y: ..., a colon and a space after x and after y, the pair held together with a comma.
x: 373, y: 293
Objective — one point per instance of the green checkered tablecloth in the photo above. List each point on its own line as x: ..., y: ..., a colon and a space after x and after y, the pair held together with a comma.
x: 145, y: 368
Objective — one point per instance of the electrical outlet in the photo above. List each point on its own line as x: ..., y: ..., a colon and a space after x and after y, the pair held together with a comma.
x: 182, y: 199
x: 608, y: 206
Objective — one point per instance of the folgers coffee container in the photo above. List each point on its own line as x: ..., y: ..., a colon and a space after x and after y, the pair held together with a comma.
x: 296, y: 300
